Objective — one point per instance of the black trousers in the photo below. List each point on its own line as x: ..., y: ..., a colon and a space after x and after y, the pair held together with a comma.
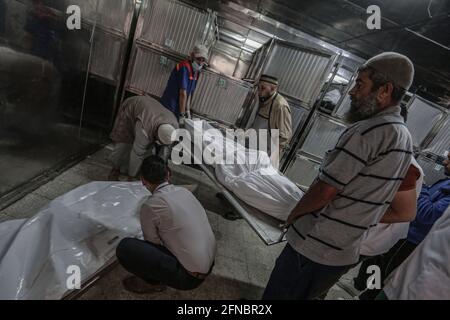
x: 295, y: 277
x: 387, y: 262
x: 154, y: 264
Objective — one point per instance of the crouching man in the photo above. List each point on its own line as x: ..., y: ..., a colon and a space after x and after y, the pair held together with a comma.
x: 179, y: 246
x: 143, y: 127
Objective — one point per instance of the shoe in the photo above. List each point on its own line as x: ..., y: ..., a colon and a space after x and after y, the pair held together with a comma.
x: 137, y: 285
x: 232, y: 216
x: 114, y: 175
x: 357, y: 283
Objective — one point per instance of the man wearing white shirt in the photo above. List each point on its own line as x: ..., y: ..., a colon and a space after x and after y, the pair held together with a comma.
x: 179, y: 246
x: 425, y: 274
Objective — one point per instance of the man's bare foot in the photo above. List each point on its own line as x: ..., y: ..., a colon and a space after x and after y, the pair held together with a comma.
x: 114, y: 175
x: 137, y: 285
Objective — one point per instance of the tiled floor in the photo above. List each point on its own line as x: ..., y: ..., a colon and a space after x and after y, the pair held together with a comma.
x: 243, y: 263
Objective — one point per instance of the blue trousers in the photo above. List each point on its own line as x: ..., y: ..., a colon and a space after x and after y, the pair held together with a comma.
x: 295, y: 277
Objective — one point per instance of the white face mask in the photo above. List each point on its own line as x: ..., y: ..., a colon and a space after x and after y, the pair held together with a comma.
x: 197, y: 67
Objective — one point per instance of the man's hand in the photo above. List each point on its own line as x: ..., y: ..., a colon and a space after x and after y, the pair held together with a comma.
x: 290, y: 220
x: 293, y: 216
x: 284, y: 230
x: 318, y: 196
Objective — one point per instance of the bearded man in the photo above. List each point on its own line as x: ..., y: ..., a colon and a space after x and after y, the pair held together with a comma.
x: 357, y: 182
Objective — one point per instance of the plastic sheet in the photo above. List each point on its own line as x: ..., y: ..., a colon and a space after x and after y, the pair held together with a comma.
x: 251, y: 177
x: 81, y: 228
x: 261, y: 186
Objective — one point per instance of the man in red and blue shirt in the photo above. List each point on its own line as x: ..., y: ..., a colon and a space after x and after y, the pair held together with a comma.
x: 182, y: 83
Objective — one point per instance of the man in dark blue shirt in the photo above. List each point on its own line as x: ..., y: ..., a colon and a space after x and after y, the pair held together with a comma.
x: 432, y: 203
x: 182, y: 83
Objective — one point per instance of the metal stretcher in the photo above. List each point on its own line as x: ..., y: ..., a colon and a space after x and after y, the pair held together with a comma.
x: 268, y: 228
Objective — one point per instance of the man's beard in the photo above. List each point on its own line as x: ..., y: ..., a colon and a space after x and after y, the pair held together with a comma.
x: 362, y: 108
x: 264, y: 99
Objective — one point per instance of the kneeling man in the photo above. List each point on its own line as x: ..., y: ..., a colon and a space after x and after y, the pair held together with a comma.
x: 179, y: 246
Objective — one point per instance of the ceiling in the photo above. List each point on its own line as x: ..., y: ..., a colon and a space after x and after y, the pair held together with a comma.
x: 419, y: 29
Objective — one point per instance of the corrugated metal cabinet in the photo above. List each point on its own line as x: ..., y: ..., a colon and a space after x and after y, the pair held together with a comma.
x: 301, y: 71
x: 173, y: 25
x: 220, y: 98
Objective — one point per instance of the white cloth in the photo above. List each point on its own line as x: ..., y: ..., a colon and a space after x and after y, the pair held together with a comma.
x: 251, y: 177
x: 254, y: 180
x: 425, y: 274
x: 261, y: 186
x: 173, y: 217
x: 81, y: 228
x: 381, y: 238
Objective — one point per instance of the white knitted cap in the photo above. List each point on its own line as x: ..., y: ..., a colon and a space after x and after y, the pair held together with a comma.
x: 165, y: 132
x: 396, y: 67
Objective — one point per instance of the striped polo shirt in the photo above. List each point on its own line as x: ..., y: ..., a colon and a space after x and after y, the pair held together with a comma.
x: 367, y: 166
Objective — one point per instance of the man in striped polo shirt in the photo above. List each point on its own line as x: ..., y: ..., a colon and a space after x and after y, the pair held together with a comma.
x: 356, y: 184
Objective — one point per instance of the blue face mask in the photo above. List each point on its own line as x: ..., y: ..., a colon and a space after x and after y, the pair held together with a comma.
x: 197, y: 67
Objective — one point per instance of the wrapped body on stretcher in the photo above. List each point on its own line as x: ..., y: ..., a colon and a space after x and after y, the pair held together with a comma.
x: 76, y: 234
x: 250, y: 174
